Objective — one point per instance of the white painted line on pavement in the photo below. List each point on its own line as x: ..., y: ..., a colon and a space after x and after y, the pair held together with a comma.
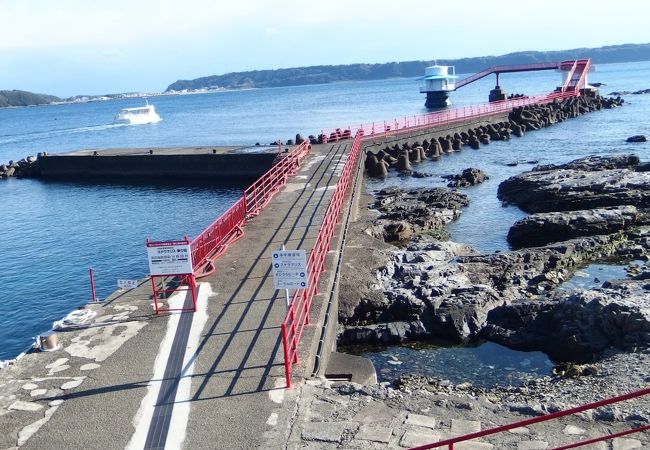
x: 181, y: 412
x: 143, y: 417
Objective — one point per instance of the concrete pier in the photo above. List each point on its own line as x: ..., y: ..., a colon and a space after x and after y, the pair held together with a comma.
x: 179, y: 163
x: 212, y: 379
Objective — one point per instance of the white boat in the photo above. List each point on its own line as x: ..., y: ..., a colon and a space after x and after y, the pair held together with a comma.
x: 138, y: 116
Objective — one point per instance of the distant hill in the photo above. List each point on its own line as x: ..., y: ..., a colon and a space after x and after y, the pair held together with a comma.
x: 328, y: 74
x: 24, y: 98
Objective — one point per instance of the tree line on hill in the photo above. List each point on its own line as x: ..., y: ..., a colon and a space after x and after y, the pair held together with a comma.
x: 24, y: 98
x: 352, y: 72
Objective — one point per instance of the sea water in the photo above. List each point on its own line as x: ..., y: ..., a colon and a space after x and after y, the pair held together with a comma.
x: 52, y: 232
x: 484, y: 365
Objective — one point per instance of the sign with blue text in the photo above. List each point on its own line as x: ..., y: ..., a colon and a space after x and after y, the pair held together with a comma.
x: 289, y: 269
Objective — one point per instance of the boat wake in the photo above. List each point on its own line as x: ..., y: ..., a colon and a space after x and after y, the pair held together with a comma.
x: 39, y: 135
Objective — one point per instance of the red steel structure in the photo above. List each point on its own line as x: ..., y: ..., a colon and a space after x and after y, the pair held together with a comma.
x: 577, y: 74
x: 92, y: 285
x: 506, y: 69
x: 187, y: 282
x: 449, y: 443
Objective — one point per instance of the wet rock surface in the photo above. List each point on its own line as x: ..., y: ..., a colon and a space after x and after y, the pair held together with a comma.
x: 591, y: 182
x: 443, y: 290
x: 543, y: 228
x: 415, y: 211
x: 582, y: 324
x: 468, y: 177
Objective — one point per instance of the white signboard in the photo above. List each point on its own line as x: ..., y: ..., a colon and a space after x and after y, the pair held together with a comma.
x: 127, y: 284
x: 289, y: 269
x: 169, y: 258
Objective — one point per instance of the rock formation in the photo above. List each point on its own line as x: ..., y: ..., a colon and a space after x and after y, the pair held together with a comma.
x: 25, y: 168
x: 434, y: 290
x: 586, y: 183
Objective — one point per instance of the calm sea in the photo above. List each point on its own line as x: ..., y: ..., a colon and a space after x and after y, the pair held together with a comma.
x: 53, y: 232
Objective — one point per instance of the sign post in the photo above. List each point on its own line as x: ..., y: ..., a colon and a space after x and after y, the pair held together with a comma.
x: 289, y: 270
x: 171, y: 259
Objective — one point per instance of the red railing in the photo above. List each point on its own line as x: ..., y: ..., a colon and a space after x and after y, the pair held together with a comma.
x: 449, y: 117
x: 214, y: 240
x: 261, y: 191
x: 298, y: 313
x: 450, y: 442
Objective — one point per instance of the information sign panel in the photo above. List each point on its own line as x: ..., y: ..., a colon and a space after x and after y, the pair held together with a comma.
x: 127, y: 284
x: 289, y: 269
x: 169, y: 258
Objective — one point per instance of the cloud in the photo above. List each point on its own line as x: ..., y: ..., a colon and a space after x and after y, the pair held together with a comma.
x: 46, y: 23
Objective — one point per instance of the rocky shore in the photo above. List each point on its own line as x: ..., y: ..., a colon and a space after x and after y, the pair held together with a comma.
x: 430, y: 289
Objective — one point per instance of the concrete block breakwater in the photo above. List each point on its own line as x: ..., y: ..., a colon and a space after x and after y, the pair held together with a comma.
x: 519, y: 121
x: 25, y: 168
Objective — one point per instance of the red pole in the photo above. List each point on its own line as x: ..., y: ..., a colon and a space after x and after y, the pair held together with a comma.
x: 92, y: 285
x: 192, y: 283
x: 287, y: 363
x: 155, y: 292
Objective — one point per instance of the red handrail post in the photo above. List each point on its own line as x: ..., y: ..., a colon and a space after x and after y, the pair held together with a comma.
x: 192, y: 282
x: 287, y: 361
x: 92, y: 285
x: 155, y: 294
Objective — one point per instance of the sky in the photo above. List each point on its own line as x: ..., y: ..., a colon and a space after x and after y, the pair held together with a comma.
x: 71, y: 47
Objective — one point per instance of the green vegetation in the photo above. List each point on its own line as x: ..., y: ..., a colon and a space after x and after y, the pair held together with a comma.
x: 329, y: 74
x: 24, y: 98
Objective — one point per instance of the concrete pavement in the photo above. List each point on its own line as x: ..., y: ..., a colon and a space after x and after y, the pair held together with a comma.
x: 213, y: 379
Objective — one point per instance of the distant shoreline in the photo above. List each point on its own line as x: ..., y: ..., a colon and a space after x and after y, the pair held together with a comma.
x: 315, y: 75
x: 113, y: 97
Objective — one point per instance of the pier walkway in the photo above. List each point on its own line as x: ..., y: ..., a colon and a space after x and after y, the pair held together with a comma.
x: 218, y: 378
